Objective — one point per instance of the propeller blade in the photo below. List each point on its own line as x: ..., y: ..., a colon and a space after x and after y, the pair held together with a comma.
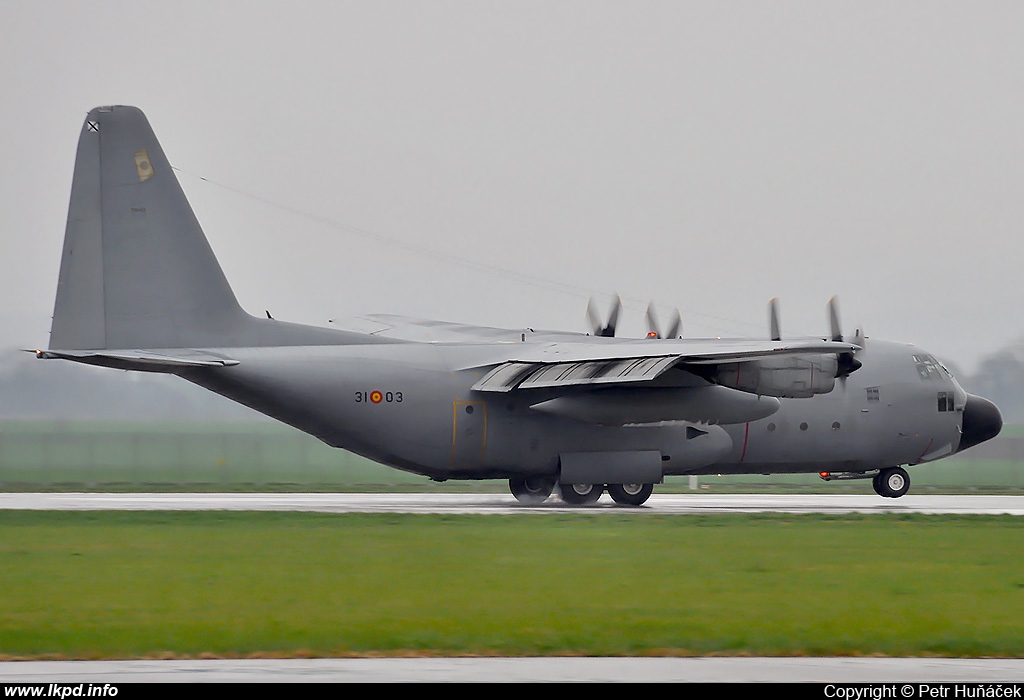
x: 848, y: 364
x: 833, y: 320
x: 592, y: 318
x: 675, y: 329
x: 653, y: 328
x: 604, y: 329
x: 859, y: 338
x: 773, y: 319
x: 613, y: 318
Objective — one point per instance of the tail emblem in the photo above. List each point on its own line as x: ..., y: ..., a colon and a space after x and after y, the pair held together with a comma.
x: 143, y: 165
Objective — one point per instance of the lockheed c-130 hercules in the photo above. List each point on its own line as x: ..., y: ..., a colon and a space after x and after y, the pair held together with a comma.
x: 140, y: 289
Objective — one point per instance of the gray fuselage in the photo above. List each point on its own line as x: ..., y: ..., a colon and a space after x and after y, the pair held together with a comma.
x: 410, y: 405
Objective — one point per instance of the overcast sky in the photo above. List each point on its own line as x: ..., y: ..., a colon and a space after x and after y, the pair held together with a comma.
x: 500, y: 162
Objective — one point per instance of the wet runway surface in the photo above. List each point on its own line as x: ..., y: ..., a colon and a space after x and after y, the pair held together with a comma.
x: 506, y: 504
x: 549, y: 669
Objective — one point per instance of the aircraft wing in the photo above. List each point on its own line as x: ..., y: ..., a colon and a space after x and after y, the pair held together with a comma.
x: 567, y: 364
x: 557, y: 359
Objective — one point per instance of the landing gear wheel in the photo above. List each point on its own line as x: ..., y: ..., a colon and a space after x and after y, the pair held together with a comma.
x: 532, y: 490
x: 630, y: 494
x: 580, y: 494
x: 892, y: 482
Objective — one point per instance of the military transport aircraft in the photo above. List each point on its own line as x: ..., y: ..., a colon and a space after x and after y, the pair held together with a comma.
x: 140, y: 289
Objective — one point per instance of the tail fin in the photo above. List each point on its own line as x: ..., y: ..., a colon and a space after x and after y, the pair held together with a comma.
x: 137, y: 270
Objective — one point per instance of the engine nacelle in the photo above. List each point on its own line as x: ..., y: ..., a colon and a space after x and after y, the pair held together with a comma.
x: 788, y: 376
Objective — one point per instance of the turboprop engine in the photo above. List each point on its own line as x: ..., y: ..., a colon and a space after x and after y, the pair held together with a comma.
x: 788, y: 377
x: 791, y: 376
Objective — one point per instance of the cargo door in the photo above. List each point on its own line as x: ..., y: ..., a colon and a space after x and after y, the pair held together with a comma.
x: 469, y: 433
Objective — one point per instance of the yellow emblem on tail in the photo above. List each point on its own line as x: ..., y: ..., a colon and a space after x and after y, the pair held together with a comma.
x: 143, y: 165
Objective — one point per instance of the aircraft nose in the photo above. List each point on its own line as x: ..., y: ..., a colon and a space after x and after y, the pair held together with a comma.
x: 982, y: 421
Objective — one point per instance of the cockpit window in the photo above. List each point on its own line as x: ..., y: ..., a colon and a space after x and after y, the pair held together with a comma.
x: 927, y: 367
x: 945, y: 401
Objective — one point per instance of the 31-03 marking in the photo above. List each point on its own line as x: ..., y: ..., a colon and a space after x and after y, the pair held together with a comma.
x: 376, y: 396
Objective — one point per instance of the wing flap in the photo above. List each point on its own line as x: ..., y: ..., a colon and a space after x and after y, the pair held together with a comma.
x: 692, y: 351
x: 526, y: 375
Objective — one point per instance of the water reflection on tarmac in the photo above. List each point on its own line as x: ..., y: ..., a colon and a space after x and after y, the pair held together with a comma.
x: 505, y: 504
x: 603, y: 670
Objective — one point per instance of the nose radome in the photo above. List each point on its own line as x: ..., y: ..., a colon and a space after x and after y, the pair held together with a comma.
x: 982, y: 421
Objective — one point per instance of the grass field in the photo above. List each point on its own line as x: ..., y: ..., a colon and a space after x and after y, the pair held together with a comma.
x: 104, y: 585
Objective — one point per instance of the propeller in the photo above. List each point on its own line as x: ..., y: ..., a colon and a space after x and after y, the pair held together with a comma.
x: 604, y: 329
x: 675, y: 328
x: 835, y: 328
x: 773, y: 319
x: 848, y: 364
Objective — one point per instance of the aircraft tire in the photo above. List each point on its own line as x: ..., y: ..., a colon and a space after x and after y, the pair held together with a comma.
x: 630, y: 494
x: 531, y: 490
x: 892, y: 482
x: 580, y: 494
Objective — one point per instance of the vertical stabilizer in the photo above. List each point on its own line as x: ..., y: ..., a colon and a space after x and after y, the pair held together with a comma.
x: 137, y: 270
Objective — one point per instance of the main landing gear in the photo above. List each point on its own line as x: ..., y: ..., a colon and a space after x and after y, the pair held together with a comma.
x: 580, y: 494
x: 532, y: 490
x: 536, y: 490
x: 630, y: 494
x: 892, y: 482
x: 623, y: 494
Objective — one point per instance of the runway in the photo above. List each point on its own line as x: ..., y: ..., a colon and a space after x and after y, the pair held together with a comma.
x: 500, y: 504
x: 527, y: 670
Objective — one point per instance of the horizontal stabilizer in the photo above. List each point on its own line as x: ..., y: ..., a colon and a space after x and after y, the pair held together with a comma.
x: 144, y: 360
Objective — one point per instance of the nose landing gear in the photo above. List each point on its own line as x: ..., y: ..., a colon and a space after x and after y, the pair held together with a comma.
x: 892, y: 482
